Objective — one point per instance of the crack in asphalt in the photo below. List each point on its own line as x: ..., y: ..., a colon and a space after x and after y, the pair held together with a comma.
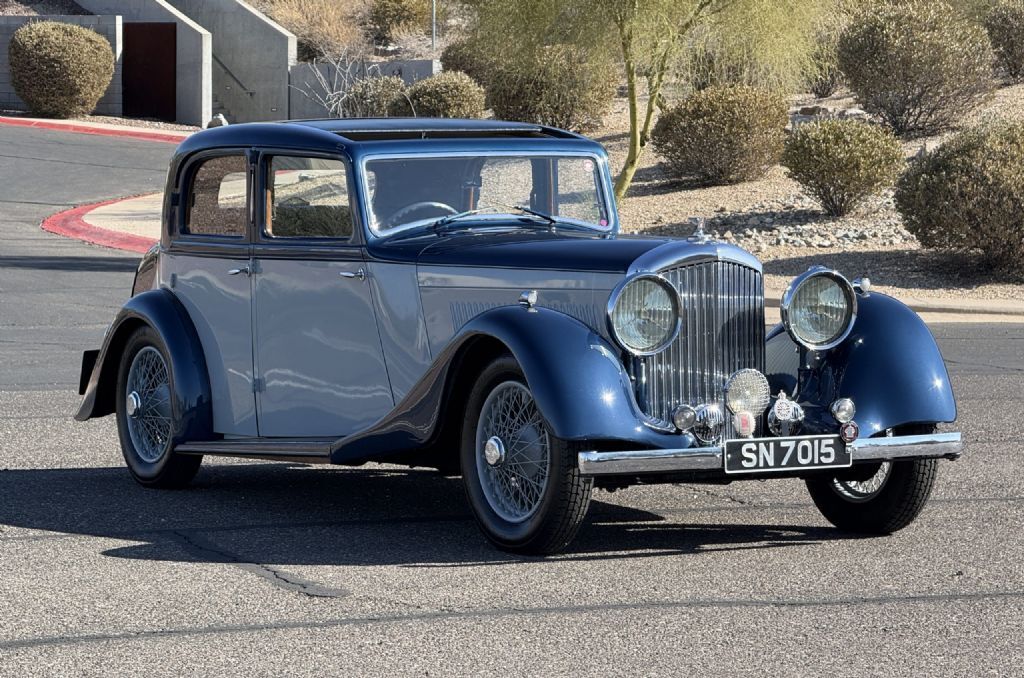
x: 279, y: 578
x: 492, y: 613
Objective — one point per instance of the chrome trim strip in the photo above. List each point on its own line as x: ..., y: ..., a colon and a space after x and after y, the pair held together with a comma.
x: 650, y: 461
x: 638, y: 462
x: 676, y: 253
x: 948, y: 445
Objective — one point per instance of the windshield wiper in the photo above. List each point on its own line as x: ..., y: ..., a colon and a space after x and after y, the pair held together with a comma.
x: 532, y: 212
x: 451, y: 218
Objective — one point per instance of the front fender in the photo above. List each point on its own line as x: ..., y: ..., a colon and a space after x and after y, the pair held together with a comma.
x: 579, y: 384
x: 889, y: 365
x: 160, y: 310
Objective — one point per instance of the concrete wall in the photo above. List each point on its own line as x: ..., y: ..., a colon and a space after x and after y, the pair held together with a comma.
x: 302, y: 81
x: 194, y: 90
x: 107, y: 26
x: 251, y: 57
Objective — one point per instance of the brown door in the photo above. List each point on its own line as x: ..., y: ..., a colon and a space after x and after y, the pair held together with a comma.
x: 148, y: 71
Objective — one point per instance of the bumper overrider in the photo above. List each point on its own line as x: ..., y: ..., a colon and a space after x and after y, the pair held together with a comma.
x: 640, y: 462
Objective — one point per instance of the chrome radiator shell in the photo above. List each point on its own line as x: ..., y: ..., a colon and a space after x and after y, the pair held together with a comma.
x: 723, y: 331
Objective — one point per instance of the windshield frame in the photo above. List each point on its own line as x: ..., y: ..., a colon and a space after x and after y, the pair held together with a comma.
x: 602, y: 187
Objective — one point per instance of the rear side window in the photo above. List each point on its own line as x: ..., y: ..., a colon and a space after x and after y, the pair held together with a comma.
x: 308, y: 199
x: 217, y: 198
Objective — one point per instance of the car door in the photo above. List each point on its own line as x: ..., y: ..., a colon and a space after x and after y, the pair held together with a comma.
x: 207, y: 267
x: 317, y: 348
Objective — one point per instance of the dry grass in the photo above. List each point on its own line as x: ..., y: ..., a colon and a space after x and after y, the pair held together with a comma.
x: 330, y: 27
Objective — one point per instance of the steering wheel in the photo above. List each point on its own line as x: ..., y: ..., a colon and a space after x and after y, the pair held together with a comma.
x: 396, y: 218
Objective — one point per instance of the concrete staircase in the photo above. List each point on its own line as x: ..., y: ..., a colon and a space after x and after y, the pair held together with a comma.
x: 219, y: 107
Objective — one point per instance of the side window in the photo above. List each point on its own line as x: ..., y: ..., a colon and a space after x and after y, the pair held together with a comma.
x: 217, y: 198
x: 307, y: 198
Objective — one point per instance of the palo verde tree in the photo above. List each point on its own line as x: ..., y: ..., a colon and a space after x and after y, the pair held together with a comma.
x: 768, y: 42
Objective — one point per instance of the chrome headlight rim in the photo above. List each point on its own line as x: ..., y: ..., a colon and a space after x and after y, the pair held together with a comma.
x: 851, y: 306
x: 676, y: 307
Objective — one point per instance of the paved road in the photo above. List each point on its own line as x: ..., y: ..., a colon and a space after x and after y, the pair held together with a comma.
x: 265, y: 569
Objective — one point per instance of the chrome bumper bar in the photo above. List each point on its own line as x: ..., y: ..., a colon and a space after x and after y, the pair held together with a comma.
x: 638, y: 462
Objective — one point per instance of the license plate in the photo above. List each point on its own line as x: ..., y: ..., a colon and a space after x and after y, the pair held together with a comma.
x: 764, y: 455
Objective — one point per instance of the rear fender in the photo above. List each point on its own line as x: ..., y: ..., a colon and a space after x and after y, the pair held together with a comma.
x: 889, y: 365
x: 159, y: 309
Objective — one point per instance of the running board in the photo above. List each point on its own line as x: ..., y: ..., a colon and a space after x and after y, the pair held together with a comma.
x: 304, y: 450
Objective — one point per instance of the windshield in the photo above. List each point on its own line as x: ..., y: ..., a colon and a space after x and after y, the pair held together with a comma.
x: 408, y: 192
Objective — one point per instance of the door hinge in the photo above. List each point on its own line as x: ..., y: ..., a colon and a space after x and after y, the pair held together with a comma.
x: 259, y: 384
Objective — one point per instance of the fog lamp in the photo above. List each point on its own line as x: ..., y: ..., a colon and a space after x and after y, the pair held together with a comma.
x: 843, y: 410
x: 745, y: 424
x: 684, y: 417
x: 708, y: 428
x: 747, y: 391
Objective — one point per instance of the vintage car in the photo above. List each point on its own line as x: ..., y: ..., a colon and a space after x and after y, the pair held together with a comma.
x: 457, y: 294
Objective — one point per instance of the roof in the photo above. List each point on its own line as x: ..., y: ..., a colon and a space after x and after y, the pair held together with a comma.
x: 362, y: 135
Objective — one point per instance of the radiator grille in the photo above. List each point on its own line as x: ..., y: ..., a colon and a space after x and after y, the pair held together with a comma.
x: 722, y: 305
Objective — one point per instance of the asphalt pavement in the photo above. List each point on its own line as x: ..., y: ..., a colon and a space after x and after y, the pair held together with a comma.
x: 270, y: 569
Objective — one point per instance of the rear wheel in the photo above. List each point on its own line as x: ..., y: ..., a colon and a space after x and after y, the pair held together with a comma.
x: 879, y: 499
x: 522, y: 482
x: 145, y: 416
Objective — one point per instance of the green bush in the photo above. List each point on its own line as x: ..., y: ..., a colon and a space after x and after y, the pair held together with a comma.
x: 842, y: 162
x: 559, y: 85
x: 1005, y: 26
x: 445, y: 95
x: 723, y: 135
x: 372, y: 97
x: 917, y: 64
x: 470, y: 57
x: 968, y: 194
x: 59, y: 70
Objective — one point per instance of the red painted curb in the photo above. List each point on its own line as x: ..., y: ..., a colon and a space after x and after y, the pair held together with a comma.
x: 71, y: 224
x: 85, y: 129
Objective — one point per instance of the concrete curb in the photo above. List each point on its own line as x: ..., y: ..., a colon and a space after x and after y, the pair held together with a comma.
x: 109, y: 131
x: 71, y: 224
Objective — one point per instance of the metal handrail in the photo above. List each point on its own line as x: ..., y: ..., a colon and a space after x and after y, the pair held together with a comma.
x: 233, y: 76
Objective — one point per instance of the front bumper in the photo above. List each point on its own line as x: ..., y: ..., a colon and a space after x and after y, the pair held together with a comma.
x: 640, y: 462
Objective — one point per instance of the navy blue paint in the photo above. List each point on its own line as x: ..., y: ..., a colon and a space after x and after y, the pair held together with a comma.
x: 490, y: 246
x: 191, y: 407
x: 890, y: 366
x: 575, y: 375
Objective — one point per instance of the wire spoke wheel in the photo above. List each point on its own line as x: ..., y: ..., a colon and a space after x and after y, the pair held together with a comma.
x: 513, y: 452
x: 148, y: 404
x: 863, y: 490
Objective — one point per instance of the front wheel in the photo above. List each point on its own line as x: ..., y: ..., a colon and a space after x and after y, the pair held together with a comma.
x: 522, y: 482
x: 879, y: 502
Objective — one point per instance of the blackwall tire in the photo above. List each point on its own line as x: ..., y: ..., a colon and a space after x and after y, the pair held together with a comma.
x: 533, y: 500
x: 146, y: 421
x: 884, y: 504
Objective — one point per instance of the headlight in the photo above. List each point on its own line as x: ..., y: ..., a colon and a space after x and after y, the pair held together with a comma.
x: 818, y: 308
x: 644, y: 314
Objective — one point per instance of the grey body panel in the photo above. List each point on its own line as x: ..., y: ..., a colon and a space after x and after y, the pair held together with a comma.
x: 317, y: 349
x: 220, y: 308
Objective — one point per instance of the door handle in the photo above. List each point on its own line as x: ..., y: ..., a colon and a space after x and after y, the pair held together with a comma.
x: 358, y: 275
x: 235, y: 271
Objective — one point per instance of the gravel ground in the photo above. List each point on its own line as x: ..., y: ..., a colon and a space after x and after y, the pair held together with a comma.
x: 774, y: 219
x: 39, y: 7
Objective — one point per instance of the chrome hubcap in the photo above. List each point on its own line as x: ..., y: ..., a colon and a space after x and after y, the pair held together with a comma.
x: 513, y: 452
x: 148, y: 405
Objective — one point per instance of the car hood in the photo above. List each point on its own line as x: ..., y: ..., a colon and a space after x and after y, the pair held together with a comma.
x: 564, y: 251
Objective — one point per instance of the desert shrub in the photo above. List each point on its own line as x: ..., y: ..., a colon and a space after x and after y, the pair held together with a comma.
x: 470, y: 57
x: 842, y: 162
x: 917, y: 64
x: 968, y: 194
x: 559, y: 85
x: 445, y: 95
x: 723, y: 135
x: 372, y: 97
x: 323, y: 28
x: 1005, y: 26
x: 59, y: 70
x: 387, y: 19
